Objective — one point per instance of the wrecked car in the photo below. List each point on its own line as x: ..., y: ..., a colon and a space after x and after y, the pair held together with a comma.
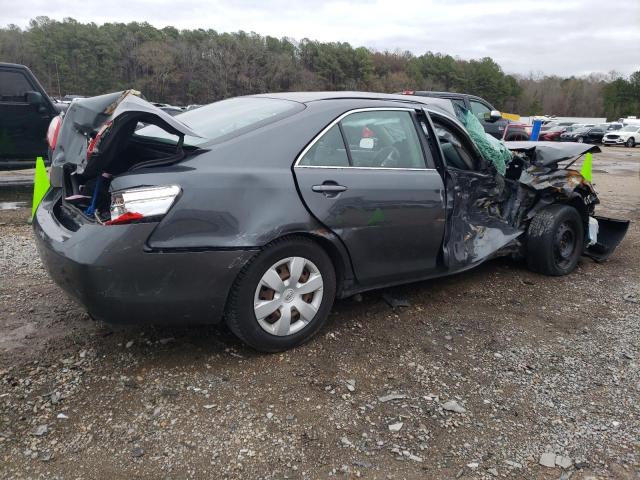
x: 260, y: 210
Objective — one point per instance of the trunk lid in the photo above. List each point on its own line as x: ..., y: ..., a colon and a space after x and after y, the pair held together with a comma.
x: 90, y: 126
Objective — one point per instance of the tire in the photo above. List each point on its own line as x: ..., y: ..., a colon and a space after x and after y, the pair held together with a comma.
x: 631, y: 142
x: 251, y: 298
x: 580, y: 139
x: 555, y: 240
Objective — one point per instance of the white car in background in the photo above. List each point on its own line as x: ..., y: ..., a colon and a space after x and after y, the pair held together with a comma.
x: 629, y: 136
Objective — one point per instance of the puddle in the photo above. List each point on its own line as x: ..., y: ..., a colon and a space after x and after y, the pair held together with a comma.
x: 14, y: 198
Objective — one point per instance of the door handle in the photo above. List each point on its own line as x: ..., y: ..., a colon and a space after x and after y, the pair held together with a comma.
x: 328, y: 188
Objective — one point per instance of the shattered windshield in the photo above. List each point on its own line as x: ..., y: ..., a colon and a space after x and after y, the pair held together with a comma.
x: 227, y: 118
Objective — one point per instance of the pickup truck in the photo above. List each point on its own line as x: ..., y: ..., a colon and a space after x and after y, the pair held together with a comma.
x: 490, y: 118
x: 25, y: 114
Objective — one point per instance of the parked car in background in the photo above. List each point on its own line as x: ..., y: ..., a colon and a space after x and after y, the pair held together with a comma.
x: 577, y: 126
x: 590, y: 134
x: 26, y: 112
x: 629, y: 136
x: 553, y: 124
x: 552, y: 134
x: 489, y: 116
x: 263, y: 209
x: 569, y: 134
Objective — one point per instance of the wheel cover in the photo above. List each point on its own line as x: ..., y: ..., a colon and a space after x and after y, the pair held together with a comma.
x: 288, y: 296
x: 564, y: 245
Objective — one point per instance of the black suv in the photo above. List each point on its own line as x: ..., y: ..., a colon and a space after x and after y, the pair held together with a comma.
x: 25, y: 113
x: 489, y: 116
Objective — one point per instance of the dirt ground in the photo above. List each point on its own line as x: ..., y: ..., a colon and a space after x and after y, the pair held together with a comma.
x: 494, y: 373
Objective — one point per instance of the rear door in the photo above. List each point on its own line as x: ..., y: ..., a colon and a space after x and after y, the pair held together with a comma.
x: 23, y: 127
x: 369, y: 179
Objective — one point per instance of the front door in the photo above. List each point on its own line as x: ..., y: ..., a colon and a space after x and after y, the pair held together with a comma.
x: 368, y: 179
x: 479, y: 221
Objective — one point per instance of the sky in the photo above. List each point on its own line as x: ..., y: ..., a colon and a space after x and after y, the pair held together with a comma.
x: 562, y: 37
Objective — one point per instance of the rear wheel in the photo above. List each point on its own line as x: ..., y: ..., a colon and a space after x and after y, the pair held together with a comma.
x: 283, y: 297
x: 630, y: 143
x: 555, y: 240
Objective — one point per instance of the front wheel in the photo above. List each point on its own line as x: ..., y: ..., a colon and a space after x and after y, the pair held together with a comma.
x: 283, y: 297
x: 555, y: 240
x: 630, y: 143
x: 580, y: 139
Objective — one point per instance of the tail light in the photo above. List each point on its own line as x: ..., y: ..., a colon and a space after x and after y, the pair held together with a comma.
x: 143, y: 202
x: 53, y: 131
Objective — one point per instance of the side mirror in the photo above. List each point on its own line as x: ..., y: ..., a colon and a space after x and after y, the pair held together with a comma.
x: 34, y: 98
x: 492, y: 116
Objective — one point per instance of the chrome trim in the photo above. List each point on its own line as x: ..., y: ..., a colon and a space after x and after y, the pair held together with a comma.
x: 364, y: 168
x: 335, y: 121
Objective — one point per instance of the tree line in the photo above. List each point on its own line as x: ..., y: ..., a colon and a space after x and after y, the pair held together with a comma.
x: 200, y: 66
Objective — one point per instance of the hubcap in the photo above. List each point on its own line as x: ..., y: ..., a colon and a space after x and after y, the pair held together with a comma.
x: 288, y: 296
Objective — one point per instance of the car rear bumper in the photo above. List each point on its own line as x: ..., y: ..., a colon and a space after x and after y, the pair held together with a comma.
x: 118, y: 279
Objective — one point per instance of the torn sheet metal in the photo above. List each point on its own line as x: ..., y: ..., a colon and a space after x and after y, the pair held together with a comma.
x: 550, y: 153
x: 544, y: 178
x: 483, y: 217
x: 611, y: 231
x: 88, y: 116
x: 491, y: 212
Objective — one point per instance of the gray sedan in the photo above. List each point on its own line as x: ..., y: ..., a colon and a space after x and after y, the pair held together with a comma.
x: 261, y: 210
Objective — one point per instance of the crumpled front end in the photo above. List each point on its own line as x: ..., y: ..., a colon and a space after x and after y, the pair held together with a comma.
x: 542, y: 182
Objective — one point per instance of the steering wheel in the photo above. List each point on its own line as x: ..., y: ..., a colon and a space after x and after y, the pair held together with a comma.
x: 387, y: 157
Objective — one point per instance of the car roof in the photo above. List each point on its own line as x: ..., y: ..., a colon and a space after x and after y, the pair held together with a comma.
x: 430, y: 93
x: 16, y: 66
x: 307, y: 97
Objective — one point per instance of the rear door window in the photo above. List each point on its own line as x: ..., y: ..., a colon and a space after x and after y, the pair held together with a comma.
x: 327, y: 151
x: 383, y: 139
x: 13, y: 86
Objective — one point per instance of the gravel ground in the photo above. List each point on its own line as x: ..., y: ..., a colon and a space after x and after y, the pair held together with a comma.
x: 495, y: 373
